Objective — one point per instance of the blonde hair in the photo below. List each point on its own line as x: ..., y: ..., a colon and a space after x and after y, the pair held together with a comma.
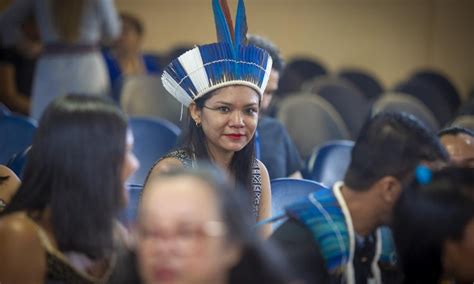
x: 67, y: 16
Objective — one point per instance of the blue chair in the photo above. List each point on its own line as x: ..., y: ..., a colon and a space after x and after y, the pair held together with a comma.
x: 4, y: 111
x: 329, y: 163
x: 286, y: 191
x: 129, y: 215
x: 16, y: 134
x: 18, y: 161
x: 154, y: 138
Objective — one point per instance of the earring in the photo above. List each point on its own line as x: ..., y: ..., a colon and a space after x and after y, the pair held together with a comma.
x: 198, y: 124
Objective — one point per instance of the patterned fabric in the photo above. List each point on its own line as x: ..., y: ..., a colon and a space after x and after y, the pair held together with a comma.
x: 322, y: 214
x: 59, y: 270
x: 388, y: 254
x: 188, y: 161
x: 327, y: 223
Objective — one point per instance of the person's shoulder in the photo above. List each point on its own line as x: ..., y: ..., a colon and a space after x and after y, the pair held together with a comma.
x: 18, y: 230
x: 168, y: 162
x: 17, y: 224
x: 260, y: 165
x: 21, y: 246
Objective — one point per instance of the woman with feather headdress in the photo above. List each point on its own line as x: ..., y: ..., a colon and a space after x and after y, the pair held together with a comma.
x: 222, y: 85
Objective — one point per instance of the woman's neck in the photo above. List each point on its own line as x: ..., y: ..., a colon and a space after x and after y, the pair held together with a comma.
x: 221, y: 158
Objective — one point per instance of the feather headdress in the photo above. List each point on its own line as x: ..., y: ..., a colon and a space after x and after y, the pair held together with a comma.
x: 230, y: 61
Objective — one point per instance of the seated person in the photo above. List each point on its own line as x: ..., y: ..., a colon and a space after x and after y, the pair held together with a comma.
x: 277, y: 150
x: 9, y: 183
x: 17, y: 68
x: 333, y: 236
x: 195, y: 227
x: 125, y: 57
x: 459, y: 142
x: 434, y: 227
x: 60, y: 227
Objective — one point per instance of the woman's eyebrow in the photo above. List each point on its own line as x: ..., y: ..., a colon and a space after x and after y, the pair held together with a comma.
x: 223, y: 103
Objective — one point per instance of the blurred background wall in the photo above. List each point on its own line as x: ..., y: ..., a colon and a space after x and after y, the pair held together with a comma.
x: 388, y: 37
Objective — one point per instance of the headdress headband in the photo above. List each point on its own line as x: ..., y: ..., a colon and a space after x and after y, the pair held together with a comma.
x: 230, y: 61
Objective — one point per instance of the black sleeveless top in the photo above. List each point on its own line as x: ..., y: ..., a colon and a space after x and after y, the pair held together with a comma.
x: 189, y: 161
x: 61, y: 271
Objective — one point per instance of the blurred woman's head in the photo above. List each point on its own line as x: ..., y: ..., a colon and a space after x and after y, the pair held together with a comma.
x: 434, y: 227
x: 194, y: 228
x: 79, y: 161
x: 130, y: 39
x: 9, y: 183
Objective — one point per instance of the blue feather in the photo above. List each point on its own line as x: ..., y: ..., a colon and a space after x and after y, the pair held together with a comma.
x: 240, y: 25
x: 222, y: 27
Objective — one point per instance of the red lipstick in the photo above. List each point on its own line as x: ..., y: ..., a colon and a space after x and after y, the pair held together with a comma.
x: 235, y: 136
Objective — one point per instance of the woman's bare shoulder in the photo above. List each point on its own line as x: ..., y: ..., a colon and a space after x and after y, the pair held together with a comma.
x: 21, y: 246
x: 165, y: 165
x: 17, y: 227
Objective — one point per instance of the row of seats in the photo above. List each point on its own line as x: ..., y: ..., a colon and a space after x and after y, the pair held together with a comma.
x: 338, y: 109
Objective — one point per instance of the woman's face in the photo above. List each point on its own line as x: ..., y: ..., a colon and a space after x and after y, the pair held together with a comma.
x: 129, y: 40
x: 180, y: 235
x: 8, y: 187
x: 130, y: 162
x: 229, y: 118
x: 458, y: 256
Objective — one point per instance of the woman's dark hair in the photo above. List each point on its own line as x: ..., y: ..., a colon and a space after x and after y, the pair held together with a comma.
x: 259, y: 263
x: 242, y: 161
x: 426, y: 215
x: 134, y: 22
x: 391, y: 144
x: 74, y: 170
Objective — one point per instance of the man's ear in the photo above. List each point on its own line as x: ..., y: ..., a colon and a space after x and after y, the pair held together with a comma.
x: 390, y: 189
x: 195, y: 113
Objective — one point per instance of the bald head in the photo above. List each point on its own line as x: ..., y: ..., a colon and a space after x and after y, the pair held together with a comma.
x: 459, y: 144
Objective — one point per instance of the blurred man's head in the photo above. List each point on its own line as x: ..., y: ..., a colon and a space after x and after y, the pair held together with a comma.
x: 277, y: 67
x: 459, y: 142
x: 385, y: 156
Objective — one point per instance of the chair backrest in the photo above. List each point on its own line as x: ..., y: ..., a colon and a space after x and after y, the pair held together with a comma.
x: 349, y: 102
x: 154, y: 138
x: 311, y: 121
x: 16, y: 134
x: 442, y: 83
x: 466, y: 121
x: 129, y: 214
x: 398, y: 102
x: 144, y: 95
x: 329, y: 163
x: 18, y: 161
x: 286, y: 191
x: 430, y: 96
x: 298, y: 71
x: 4, y: 110
x: 367, y: 83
